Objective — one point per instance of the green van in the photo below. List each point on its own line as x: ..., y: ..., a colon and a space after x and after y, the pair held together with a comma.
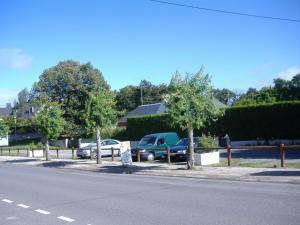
x: 158, y: 140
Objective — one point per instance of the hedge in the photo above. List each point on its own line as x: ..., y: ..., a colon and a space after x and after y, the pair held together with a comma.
x: 264, y: 121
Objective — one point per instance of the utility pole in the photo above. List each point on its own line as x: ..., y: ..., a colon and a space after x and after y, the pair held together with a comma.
x: 142, y: 95
x: 15, y: 123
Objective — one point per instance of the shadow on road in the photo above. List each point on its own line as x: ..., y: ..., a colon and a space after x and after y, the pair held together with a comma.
x: 22, y: 160
x: 277, y: 173
x: 57, y: 163
x: 125, y: 170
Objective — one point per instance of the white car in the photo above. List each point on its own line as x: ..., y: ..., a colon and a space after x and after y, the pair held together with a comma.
x: 106, y: 146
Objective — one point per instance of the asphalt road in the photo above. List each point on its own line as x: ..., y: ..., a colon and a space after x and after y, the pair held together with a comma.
x: 49, y: 196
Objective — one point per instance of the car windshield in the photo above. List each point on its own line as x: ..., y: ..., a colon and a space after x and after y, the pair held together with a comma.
x: 91, y: 145
x: 147, y: 141
x: 185, y: 142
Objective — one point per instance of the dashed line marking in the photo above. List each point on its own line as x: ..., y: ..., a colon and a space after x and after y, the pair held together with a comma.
x: 42, y: 211
x: 7, y: 201
x: 65, y: 219
x: 23, y: 206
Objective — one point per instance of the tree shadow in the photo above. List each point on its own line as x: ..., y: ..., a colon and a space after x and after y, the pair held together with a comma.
x: 277, y: 173
x: 57, y: 164
x: 125, y: 170
x: 22, y: 160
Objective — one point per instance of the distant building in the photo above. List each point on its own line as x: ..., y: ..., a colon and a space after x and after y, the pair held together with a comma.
x: 156, y: 108
x: 6, y: 111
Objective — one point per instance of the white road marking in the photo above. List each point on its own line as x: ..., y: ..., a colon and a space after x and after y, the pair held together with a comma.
x: 23, y: 206
x: 7, y: 201
x: 65, y: 219
x: 42, y: 211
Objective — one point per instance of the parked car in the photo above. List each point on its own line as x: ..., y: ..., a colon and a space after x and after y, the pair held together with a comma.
x: 106, y: 146
x: 158, y: 140
x: 179, y: 150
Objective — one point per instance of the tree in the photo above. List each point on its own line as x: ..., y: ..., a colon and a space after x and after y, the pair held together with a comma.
x: 50, y: 123
x: 4, y: 129
x: 225, y: 95
x: 100, y: 113
x: 190, y: 105
x: 130, y: 97
x: 69, y: 83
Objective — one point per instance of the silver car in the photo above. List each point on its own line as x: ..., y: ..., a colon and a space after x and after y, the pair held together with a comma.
x: 106, y: 146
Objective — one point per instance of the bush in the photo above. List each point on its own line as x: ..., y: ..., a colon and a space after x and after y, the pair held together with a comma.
x: 208, y: 141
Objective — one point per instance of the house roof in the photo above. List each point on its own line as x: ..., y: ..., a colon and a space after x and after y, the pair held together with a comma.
x: 141, y: 110
x: 6, y: 111
x: 217, y: 103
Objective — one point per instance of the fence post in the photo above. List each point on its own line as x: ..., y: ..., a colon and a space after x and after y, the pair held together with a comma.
x: 168, y: 155
x: 8, y: 151
x: 138, y: 155
x: 32, y: 152
x: 57, y: 153
x: 112, y: 154
x: 44, y: 152
x: 229, y: 154
x: 282, y: 155
x: 73, y: 155
x: 27, y: 152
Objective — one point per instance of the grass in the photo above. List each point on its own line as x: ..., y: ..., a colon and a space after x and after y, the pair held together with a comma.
x: 254, y: 164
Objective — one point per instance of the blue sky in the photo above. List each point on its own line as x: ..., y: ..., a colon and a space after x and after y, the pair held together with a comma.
x: 131, y: 40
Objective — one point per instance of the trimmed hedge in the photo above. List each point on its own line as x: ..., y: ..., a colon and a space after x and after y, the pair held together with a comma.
x: 264, y: 121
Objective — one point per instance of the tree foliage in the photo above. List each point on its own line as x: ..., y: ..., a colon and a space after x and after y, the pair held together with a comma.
x: 190, y: 101
x: 225, y: 95
x: 4, y: 129
x: 100, y: 111
x: 49, y: 121
x: 70, y: 84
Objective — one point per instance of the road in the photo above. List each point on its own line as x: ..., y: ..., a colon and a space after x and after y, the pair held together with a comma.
x: 49, y: 196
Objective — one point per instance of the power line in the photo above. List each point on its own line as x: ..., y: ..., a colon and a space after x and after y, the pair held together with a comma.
x: 223, y: 11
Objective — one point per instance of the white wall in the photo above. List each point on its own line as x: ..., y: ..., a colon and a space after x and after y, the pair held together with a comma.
x: 4, y: 141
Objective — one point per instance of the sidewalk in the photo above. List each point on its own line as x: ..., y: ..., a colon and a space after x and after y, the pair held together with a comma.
x: 286, y: 175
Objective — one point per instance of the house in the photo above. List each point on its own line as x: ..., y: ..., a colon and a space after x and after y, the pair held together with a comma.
x: 156, y: 108
x: 6, y: 111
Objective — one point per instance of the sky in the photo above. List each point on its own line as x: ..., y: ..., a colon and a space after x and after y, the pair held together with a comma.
x: 132, y: 40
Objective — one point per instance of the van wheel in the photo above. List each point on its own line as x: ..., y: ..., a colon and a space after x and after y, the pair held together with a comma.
x: 150, y: 156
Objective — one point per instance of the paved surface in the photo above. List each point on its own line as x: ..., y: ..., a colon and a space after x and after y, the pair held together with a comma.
x: 41, y: 194
x: 286, y: 175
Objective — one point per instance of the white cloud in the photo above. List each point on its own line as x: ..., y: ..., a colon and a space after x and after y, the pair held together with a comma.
x: 8, y: 96
x: 14, y: 58
x: 288, y: 73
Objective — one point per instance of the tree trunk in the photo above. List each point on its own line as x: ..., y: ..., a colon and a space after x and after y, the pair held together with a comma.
x: 99, y: 159
x: 191, y: 158
x: 48, y: 158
